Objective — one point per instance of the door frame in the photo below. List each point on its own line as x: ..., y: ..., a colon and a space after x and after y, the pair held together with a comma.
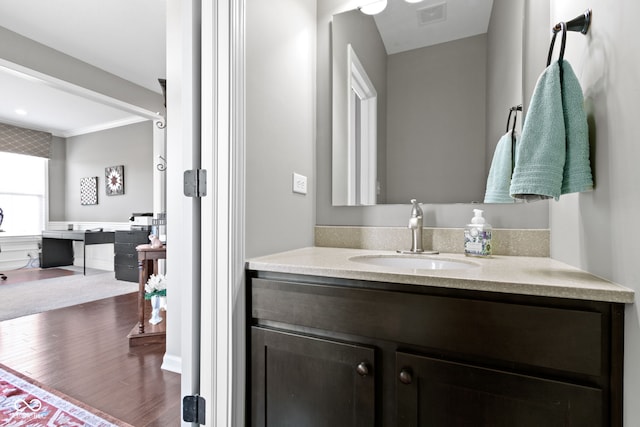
x: 206, y: 130
x: 362, y: 110
x: 222, y: 324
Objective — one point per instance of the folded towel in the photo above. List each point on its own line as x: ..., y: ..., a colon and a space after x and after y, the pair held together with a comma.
x: 499, y: 179
x: 577, y: 169
x: 540, y: 153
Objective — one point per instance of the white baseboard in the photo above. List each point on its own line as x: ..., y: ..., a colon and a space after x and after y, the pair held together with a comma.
x: 172, y: 363
x: 18, y: 251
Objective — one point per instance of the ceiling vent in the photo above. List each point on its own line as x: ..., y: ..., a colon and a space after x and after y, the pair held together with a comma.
x: 432, y: 14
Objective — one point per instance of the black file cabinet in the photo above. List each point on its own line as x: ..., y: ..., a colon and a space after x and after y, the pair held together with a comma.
x: 126, y: 257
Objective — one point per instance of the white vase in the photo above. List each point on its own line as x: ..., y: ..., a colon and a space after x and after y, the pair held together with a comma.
x: 155, y: 310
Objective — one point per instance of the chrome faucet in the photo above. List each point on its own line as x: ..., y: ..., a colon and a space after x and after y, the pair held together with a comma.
x: 415, y: 224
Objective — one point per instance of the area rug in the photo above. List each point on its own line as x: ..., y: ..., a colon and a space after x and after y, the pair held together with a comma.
x: 25, y: 402
x: 22, y: 299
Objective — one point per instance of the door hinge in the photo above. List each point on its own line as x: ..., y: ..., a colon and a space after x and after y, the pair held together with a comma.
x: 195, y: 183
x: 193, y: 409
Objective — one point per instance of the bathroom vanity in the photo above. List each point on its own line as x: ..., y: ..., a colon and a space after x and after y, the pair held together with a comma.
x: 335, y: 341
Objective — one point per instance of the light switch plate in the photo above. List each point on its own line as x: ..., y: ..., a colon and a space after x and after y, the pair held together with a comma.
x: 299, y: 183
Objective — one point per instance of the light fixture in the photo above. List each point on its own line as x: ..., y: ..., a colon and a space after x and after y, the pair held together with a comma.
x: 374, y: 8
x: 413, y: 1
x: 20, y: 111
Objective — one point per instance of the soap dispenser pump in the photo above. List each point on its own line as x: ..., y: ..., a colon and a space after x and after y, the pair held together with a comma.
x: 477, y: 236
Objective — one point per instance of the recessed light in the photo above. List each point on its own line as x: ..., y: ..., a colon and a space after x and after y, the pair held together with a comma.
x: 20, y: 112
x: 374, y: 8
x: 413, y: 1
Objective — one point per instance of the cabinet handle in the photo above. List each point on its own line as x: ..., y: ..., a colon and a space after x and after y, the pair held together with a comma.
x: 362, y: 369
x: 406, y: 376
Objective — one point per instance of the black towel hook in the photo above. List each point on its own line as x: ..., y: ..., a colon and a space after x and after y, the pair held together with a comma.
x: 580, y: 24
x: 563, y: 28
x: 513, y: 110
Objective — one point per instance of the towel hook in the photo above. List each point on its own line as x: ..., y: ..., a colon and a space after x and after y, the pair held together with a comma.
x: 563, y: 28
x: 580, y: 23
x: 513, y: 110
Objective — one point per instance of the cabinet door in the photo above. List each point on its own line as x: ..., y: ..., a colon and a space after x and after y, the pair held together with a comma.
x: 303, y: 381
x: 433, y: 392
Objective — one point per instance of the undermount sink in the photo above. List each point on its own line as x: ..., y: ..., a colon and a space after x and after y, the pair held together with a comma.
x: 419, y: 262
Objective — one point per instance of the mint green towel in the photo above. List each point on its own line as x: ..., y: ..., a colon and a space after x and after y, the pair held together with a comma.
x: 540, y: 153
x: 499, y: 179
x: 577, y: 168
x: 552, y: 157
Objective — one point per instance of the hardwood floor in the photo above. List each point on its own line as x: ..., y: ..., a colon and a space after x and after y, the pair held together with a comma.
x: 83, y: 352
x: 29, y: 274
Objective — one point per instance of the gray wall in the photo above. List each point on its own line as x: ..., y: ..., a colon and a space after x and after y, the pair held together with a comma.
x: 595, y: 230
x: 57, y: 179
x: 280, y: 123
x: 530, y: 215
x: 88, y: 155
x: 535, y: 45
x: 431, y: 144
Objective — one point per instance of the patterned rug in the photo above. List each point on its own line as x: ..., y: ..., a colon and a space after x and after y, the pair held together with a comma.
x: 24, y: 402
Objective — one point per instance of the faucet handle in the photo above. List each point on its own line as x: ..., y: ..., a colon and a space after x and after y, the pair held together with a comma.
x: 416, y: 210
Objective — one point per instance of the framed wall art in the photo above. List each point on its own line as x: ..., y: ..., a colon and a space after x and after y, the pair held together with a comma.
x: 114, y: 180
x: 89, y: 190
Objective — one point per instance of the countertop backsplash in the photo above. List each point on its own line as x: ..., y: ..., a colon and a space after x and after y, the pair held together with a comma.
x: 512, y: 242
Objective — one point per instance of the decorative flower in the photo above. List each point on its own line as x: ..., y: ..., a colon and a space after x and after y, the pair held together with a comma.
x: 156, y: 285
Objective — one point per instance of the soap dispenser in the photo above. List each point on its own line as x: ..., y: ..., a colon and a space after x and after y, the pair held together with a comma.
x: 477, y: 236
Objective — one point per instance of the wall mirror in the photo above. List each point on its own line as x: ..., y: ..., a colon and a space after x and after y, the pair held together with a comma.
x: 421, y: 96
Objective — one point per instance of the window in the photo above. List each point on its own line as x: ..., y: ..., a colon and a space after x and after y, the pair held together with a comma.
x: 22, y: 194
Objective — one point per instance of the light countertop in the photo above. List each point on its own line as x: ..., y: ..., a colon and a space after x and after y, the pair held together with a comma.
x: 537, y: 276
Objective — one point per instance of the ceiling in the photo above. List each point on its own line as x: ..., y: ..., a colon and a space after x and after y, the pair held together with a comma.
x: 404, y: 26
x: 122, y: 37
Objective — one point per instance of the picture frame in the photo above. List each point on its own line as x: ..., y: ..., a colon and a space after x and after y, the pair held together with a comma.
x: 114, y: 180
x: 89, y: 191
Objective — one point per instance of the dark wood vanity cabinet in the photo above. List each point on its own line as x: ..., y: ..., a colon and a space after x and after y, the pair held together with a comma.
x: 436, y: 392
x: 306, y: 381
x: 328, y: 352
